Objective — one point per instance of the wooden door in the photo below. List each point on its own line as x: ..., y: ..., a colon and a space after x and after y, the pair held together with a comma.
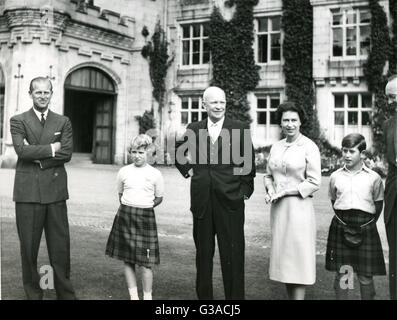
x: 103, y: 130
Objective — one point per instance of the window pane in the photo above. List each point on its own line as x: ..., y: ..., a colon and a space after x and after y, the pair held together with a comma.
x: 366, y: 118
x: 196, y: 30
x: 185, y: 103
x: 204, y: 115
x: 273, y: 118
x: 186, y: 50
x: 206, y: 29
x: 339, y: 118
x: 262, y: 48
x: 184, y: 117
x: 195, y: 103
x: 352, y: 101
x: 275, y: 24
x: 366, y: 101
x: 337, y: 43
x: 274, y: 103
x: 186, y: 31
x: 196, y: 52
x: 351, y: 17
x: 337, y: 19
x: 261, y: 104
x: 261, y: 117
x: 339, y: 101
x: 195, y: 116
x: 262, y: 24
x: 351, y: 43
x: 206, y: 51
x: 365, y: 17
x: 275, y: 50
x: 365, y: 39
x: 352, y: 118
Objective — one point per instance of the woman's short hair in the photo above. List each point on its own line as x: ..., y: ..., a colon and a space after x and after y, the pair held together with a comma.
x: 290, y: 106
x: 140, y: 141
x: 354, y: 140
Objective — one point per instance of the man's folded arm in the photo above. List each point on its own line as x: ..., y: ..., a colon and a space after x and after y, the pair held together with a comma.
x: 65, y: 153
x: 26, y: 151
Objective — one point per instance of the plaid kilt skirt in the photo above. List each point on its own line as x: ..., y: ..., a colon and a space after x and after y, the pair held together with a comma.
x: 367, y: 259
x: 133, y: 237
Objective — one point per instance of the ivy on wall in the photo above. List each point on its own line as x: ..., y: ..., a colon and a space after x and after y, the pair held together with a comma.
x: 297, y: 24
x: 156, y: 52
x: 393, y: 53
x: 234, y: 68
x: 373, y: 71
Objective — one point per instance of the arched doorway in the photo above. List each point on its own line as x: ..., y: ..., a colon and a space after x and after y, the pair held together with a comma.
x: 2, y: 86
x: 90, y: 100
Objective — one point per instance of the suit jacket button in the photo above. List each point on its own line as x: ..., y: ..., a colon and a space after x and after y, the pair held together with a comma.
x: 56, y: 174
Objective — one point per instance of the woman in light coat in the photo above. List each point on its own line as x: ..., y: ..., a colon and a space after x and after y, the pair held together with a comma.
x: 293, y: 174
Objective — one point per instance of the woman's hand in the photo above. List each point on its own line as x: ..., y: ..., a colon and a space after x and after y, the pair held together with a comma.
x: 277, y: 196
x: 268, y: 196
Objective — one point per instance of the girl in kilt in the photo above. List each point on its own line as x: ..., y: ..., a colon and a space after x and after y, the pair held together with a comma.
x: 356, y: 194
x: 133, y: 238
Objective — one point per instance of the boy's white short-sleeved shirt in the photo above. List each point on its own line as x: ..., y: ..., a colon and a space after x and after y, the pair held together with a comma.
x: 356, y: 190
x: 140, y: 185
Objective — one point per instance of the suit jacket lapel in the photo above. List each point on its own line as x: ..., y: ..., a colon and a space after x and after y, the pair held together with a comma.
x: 34, y: 125
x: 49, y: 128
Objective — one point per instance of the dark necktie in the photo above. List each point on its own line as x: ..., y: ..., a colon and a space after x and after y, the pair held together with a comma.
x: 42, y: 119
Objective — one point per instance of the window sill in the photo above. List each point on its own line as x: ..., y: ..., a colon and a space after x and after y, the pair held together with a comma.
x: 346, y: 62
x: 196, y: 70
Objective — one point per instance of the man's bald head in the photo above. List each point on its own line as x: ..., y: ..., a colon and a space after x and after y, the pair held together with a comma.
x: 214, y: 101
x: 211, y: 92
x: 391, y: 89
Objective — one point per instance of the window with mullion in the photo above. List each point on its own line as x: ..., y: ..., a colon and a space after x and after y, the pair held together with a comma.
x: 353, y: 110
x: 192, y: 110
x: 351, y: 33
x: 195, y: 44
x: 268, y: 39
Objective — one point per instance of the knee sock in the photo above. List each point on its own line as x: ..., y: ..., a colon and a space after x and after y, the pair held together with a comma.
x: 133, y: 293
x: 147, y: 295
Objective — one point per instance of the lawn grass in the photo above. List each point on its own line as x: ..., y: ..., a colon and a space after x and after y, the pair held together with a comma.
x: 98, y: 277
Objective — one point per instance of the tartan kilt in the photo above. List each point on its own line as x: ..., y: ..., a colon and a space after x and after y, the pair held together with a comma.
x: 133, y: 237
x: 367, y: 259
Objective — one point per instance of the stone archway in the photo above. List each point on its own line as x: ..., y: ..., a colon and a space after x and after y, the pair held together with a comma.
x: 90, y: 100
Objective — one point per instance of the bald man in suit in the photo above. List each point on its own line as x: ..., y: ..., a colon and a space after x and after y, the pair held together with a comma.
x: 390, y: 212
x: 43, y: 142
x: 219, y: 186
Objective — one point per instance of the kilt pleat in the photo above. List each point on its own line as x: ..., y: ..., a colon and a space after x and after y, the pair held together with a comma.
x: 367, y: 259
x: 133, y: 237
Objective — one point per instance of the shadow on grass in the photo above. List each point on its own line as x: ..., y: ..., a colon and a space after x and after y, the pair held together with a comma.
x: 98, y: 277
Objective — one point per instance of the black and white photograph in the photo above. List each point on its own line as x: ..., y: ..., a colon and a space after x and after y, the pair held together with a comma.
x: 185, y: 150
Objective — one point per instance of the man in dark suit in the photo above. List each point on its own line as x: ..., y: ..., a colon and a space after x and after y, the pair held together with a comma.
x: 221, y: 180
x: 390, y: 212
x: 43, y: 142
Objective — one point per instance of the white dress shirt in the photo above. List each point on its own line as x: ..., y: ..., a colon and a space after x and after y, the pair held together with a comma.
x: 214, y: 129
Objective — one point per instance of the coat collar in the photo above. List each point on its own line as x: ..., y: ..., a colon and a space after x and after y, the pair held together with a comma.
x: 42, y: 134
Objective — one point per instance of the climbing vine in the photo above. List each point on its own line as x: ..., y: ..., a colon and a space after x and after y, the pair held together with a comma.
x: 297, y: 24
x: 234, y: 68
x: 373, y: 70
x: 393, y: 52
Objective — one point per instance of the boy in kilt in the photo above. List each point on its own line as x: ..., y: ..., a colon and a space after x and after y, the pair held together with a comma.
x: 133, y: 238
x: 354, y: 245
